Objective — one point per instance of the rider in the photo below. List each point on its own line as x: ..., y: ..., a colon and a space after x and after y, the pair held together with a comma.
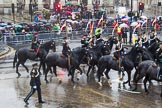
x: 145, y: 43
x: 139, y: 41
x: 153, y: 37
x: 66, y: 49
x: 35, y: 43
x: 84, y: 41
x: 119, y: 52
x: 159, y: 58
x: 99, y: 39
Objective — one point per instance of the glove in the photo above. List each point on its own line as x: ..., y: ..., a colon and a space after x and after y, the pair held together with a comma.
x: 34, y: 87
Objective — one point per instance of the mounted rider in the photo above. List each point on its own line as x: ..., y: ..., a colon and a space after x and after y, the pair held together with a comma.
x: 119, y: 52
x: 139, y: 41
x: 99, y: 39
x: 153, y: 37
x: 35, y: 43
x: 145, y: 42
x: 159, y: 59
x: 66, y: 49
x: 85, y: 41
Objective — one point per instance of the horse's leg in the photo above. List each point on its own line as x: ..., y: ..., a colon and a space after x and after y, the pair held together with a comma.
x: 107, y: 76
x: 72, y: 74
x: 25, y: 67
x: 44, y: 67
x: 89, y: 68
x: 100, y: 73
x: 17, y: 71
x: 40, y: 68
x: 80, y: 72
x: 54, y: 70
x: 145, y: 81
x: 45, y: 74
x: 129, y: 78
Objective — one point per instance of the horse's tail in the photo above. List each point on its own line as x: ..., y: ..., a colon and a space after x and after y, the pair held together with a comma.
x: 15, y: 59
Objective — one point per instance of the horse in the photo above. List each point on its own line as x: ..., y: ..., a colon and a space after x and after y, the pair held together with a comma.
x: 95, y: 54
x: 149, y: 71
x: 56, y: 59
x: 24, y: 54
x: 153, y: 48
x: 111, y: 41
x: 108, y: 62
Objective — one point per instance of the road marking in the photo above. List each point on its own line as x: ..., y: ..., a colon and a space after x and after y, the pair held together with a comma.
x: 10, y: 52
x: 129, y: 91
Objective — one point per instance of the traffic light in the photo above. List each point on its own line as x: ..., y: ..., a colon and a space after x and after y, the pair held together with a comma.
x: 141, y: 6
x: 30, y: 9
x: 130, y: 14
x: 13, y: 8
x: 57, y: 7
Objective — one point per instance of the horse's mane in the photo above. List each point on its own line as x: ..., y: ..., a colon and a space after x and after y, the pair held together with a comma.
x: 152, y: 46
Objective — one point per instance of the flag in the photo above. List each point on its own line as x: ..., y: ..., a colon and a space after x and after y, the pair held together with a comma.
x: 153, y: 21
x: 101, y: 19
x: 138, y: 25
x: 89, y: 22
x: 91, y: 28
x: 145, y: 21
x: 64, y: 25
x: 114, y: 27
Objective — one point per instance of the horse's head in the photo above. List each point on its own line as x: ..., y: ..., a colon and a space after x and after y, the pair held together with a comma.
x: 105, y: 48
x: 112, y: 40
x: 49, y: 45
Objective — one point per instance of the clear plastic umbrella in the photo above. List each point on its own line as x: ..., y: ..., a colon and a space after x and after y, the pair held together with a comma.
x: 134, y: 24
x: 123, y: 25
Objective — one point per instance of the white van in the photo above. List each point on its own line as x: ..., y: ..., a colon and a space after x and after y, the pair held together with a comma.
x: 122, y: 11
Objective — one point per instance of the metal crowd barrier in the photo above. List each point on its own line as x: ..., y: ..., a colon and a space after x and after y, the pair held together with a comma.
x: 27, y: 38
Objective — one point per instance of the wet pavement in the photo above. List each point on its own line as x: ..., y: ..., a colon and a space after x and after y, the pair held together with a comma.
x: 85, y: 93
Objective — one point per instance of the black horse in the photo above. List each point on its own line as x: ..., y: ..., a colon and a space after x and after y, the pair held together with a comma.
x: 56, y: 59
x: 96, y: 53
x: 108, y: 62
x: 153, y: 49
x: 111, y: 41
x: 147, y: 70
x: 24, y: 53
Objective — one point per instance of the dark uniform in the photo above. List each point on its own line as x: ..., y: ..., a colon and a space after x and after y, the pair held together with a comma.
x: 84, y: 42
x: 35, y: 43
x: 118, y: 53
x: 159, y: 58
x: 66, y: 49
x: 145, y: 42
x: 35, y: 84
x: 152, y: 38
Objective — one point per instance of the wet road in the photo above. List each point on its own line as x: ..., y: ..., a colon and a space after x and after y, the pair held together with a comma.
x: 85, y: 93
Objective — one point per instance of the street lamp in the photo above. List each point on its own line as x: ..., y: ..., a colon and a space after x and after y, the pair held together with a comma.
x: 130, y: 37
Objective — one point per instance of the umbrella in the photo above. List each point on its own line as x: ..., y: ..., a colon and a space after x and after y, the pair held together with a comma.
x: 143, y: 17
x: 17, y: 26
x: 2, y: 28
x: 124, y: 19
x: 134, y: 24
x: 68, y: 3
x: 123, y: 25
x: 69, y: 20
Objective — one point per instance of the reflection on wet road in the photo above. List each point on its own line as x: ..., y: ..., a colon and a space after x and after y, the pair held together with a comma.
x: 83, y: 94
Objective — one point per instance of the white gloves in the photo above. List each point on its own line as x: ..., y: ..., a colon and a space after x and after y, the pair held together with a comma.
x: 34, y: 87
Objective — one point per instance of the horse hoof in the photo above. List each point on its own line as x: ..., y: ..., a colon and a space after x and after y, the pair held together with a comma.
x: 60, y: 81
x: 147, y: 93
x: 109, y: 82
x: 18, y: 75
x: 120, y: 78
x: 100, y: 84
x: 77, y: 79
